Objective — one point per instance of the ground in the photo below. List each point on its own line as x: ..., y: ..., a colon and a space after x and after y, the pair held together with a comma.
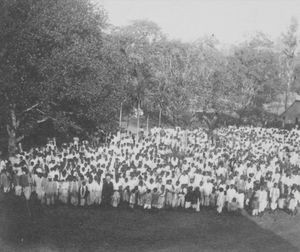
x: 64, y: 228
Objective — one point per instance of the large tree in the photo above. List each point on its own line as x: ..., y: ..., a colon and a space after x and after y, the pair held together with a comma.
x: 137, y: 43
x: 288, y: 58
x: 56, y: 64
x: 253, y: 69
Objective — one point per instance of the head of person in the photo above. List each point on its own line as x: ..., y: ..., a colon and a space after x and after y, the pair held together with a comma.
x: 108, y: 178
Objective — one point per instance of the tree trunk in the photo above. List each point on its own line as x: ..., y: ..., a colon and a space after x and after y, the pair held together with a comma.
x: 138, y: 121
x: 120, y: 119
x: 12, y: 132
x: 289, y: 81
x: 159, y: 118
x: 147, y: 127
x: 12, y: 142
x: 210, y: 136
x: 128, y: 118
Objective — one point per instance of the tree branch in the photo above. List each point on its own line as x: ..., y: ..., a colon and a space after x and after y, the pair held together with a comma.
x: 42, y: 120
x: 8, y: 129
x: 20, y: 138
x: 31, y: 108
x: 42, y: 112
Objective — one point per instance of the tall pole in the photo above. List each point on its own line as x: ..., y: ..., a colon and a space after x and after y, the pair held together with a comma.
x: 128, y: 118
x: 159, y: 118
x: 286, y: 96
x: 138, y: 120
x: 286, y: 100
x: 148, y: 125
x: 120, y: 122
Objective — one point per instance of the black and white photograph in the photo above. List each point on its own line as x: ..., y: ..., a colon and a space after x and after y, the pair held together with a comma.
x: 150, y: 125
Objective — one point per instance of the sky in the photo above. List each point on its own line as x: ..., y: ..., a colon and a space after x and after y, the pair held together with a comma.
x: 230, y: 21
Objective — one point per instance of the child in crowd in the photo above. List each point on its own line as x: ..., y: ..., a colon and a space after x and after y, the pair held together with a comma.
x: 83, y: 193
x: 169, y: 193
x: 213, y: 198
x: 148, y: 199
x: 162, y: 197
x: 292, y: 205
x: 116, y: 198
x: 189, y: 198
x: 233, y: 206
x: 262, y: 199
x: 155, y: 197
x: 255, y: 205
x: 181, y: 196
x: 196, y: 199
x: 274, y: 197
x: 221, y: 198
x: 175, y: 199
x: 126, y: 194
x: 240, y: 197
x: 132, y: 200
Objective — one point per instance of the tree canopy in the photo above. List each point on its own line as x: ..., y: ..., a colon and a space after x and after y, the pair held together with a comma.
x: 61, y: 61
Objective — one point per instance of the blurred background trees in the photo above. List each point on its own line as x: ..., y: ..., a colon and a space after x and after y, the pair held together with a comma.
x: 65, y: 71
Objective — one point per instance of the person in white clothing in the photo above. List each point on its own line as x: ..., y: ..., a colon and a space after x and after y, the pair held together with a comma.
x: 221, y: 198
x: 230, y: 194
x: 262, y: 200
x: 64, y: 191
x: 274, y: 196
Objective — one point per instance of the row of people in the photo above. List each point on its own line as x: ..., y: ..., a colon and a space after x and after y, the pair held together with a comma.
x: 171, y: 163
x: 153, y: 195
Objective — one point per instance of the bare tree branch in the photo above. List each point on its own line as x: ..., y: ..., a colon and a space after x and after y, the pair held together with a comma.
x: 20, y: 138
x: 31, y: 108
x: 8, y: 129
x: 42, y: 112
x: 43, y: 120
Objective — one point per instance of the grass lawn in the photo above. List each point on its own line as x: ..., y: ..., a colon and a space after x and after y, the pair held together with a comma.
x: 64, y: 228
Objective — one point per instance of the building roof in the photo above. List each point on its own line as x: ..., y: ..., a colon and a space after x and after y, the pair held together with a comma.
x: 296, y: 102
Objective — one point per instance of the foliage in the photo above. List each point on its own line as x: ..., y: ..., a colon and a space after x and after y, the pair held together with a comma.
x: 288, y: 55
x: 60, y: 61
x: 56, y: 63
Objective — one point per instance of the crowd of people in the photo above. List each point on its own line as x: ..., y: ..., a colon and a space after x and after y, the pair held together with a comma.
x: 249, y: 168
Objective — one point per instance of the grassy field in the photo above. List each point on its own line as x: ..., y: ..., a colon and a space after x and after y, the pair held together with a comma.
x: 64, y: 228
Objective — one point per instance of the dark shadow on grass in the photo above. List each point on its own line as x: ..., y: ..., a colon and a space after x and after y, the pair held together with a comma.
x: 65, y: 228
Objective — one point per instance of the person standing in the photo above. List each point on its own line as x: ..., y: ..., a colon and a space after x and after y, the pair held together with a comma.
x: 64, y: 191
x: 49, y: 195
x: 274, y: 196
x: 148, y: 199
x: 142, y: 190
x: 196, y: 199
x: 43, y: 189
x: 74, y: 187
x: 116, y: 197
x: 262, y: 200
x: 161, y: 198
x: 38, y: 185
x: 83, y: 193
x: 221, y: 199
x: 107, y: 192
x: 91, y: 192
x: 25, y: 183
x: 230, y: 194
x: 16, y: 182
x: 4, y: 181
x: 98, y: 190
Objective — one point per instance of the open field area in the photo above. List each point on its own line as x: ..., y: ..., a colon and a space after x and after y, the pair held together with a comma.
x: 63, y: 228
